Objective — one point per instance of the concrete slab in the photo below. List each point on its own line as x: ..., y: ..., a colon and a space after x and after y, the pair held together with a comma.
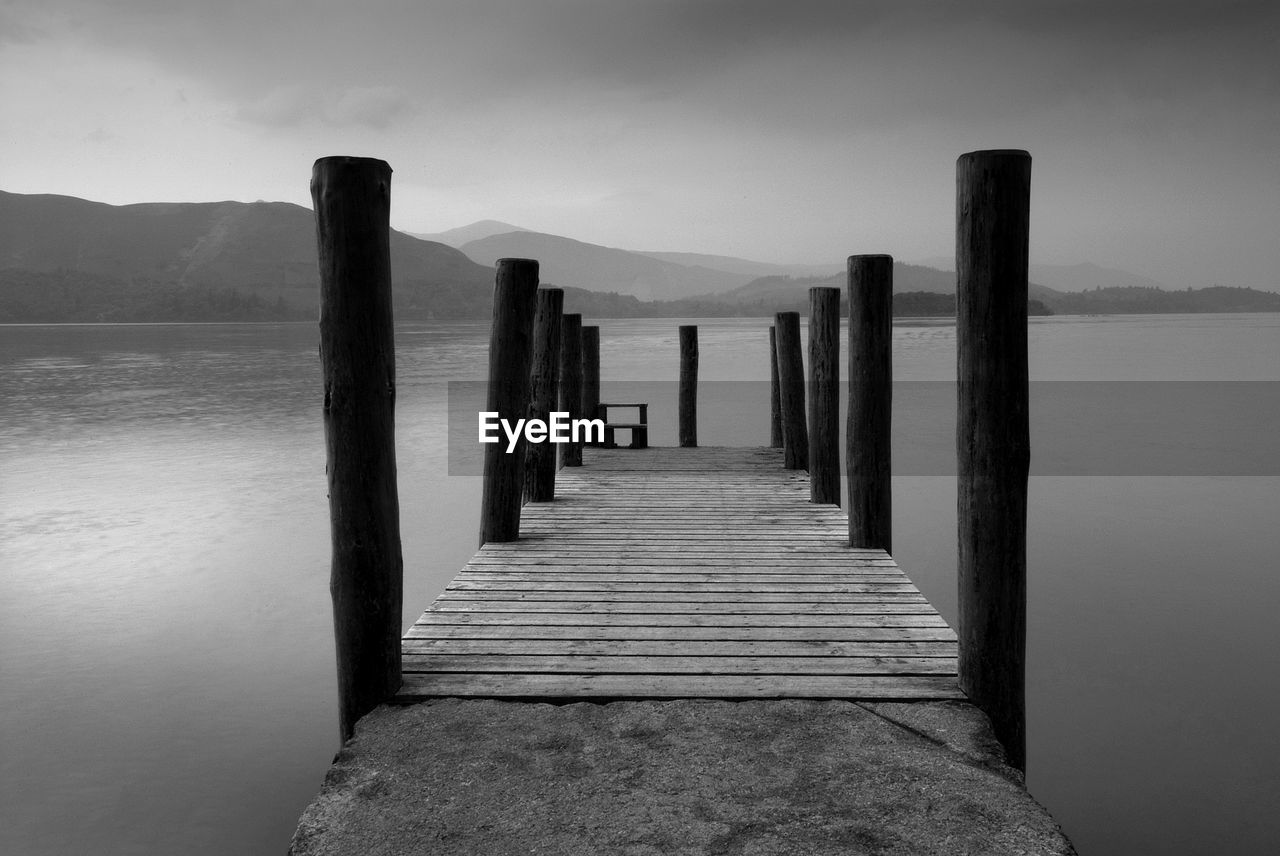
x: 677, y: 777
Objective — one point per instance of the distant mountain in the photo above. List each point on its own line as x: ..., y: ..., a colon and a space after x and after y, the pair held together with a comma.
x: 67, y: 259
x: 1086, y: 276
x: 906, y: 278
x: 1138, y: 300
x: 730, y: 264
x: 473, y: 232
x: 63, y: 259
x: 1069, y: 278
x: 576, y: 264
x: 917, y: 290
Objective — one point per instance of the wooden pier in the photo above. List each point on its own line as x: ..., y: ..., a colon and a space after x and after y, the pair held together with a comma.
x: 680, y: 573
x: 688, y: 572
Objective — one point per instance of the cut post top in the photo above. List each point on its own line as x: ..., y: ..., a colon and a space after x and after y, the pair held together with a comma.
x: 530, y: 265
x: 352, y: 160
x: 994, y: 154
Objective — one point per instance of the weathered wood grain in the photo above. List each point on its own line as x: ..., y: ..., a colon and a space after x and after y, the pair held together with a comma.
x: 795, y: 435
x: 352, y: 199
x: 420, y: 687
x: 867, y: 434
x: 591, y: 372
x: 824, y: 395
x: 515, y: 296
x: 571, y: 382
x: 993, y: 192
x: 685, y: 572
x: 775, y: 398
x: 544, y: 393
x: 688, y: 410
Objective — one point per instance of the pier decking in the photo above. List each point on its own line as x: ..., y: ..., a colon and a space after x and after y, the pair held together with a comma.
x: 680, y: 573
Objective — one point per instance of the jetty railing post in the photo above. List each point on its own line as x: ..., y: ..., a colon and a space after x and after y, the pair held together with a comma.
x: 689, y: 385
x: 571, y: 382
x: 867, y: 432
x: 775, y: 401
x: 795, y: 437
x: 591, y: 373
x: 515, y: 295
x: 824, y: 395
x: 993, y: 191
x: 544, y: 383
x: 352, y: 200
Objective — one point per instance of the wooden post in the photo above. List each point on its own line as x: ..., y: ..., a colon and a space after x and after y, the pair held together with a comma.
x: 544, y: 382
x: 775, y: 401
x: 795, y: 438
x: 824, y: 395
x: 591, y: 372
x: 571, y: 382
x: 689, y: 385
x: 867, y: 432
x: 993, y: 192
x: 352, y: 200
x: 515, y: 296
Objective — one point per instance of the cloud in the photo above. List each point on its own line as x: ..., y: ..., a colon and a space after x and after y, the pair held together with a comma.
x: 293, y: 105
x: 724, y: 110
x: 369, y: 106
x: 762, y: 60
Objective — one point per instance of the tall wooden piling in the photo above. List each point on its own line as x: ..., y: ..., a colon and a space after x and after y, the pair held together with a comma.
x: 775, y: 400
x: 867, y: 432
x: 571, y: 382
x: 795, y: 437
x: 591, y: 372
x: 993, y: 191
x: 688, y: 385
x: 544, y: 382
x: 352, y: 200
x: 824, y: 395
x: 515, y: 296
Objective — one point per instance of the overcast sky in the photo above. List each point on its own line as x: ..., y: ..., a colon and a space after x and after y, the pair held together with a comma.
x: 777, y: 130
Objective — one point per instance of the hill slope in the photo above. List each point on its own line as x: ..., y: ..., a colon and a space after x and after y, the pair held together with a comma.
x: 67, y: 259
x: 732, y: 264
x: 1084, y: 276
x: 917, y: 291
x: 592, y: 267
x: 906, y: 278
x: 471, y: 232
x: 70, y: 259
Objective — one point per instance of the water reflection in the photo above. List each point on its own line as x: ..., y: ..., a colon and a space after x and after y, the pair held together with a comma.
x: 165, y: 641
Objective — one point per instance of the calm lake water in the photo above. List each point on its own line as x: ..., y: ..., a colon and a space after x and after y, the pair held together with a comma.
x: 166, y: 653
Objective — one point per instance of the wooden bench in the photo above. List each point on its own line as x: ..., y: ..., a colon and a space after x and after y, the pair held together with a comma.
x: 639, y: 429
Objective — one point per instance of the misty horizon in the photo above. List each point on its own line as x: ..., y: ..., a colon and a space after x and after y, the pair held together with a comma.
x: 806, y: 132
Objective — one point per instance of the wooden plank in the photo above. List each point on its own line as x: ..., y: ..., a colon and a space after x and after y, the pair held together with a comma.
x: 659, y: 564
x: 673, y: 608
x: 764, y: 554
x: 663, y: 573
x: 467, y: 587
x: 820, y: 545
x: 571, y: 619
x: 693, y: 522
x: 876, y: 590
x: 685, y: 647
x: 739, y: 542
x: 746, y: 562
x: 757, y: 633
x: 638, y: 557
x: 678, y: 665
x: 420, y: 686
x: 669, y: 577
